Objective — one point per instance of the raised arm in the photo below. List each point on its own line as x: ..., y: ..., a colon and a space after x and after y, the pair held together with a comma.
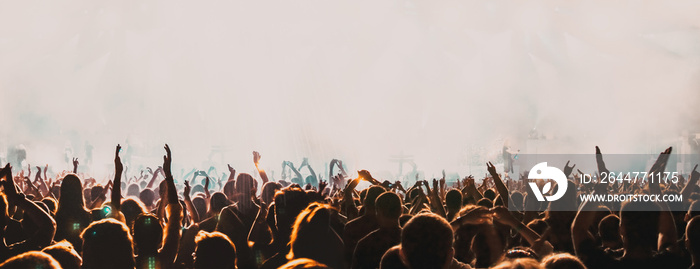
x: 691, y: 184
x: 667, y: 228
x: 232, y: 175
x: 256, y: 160
x: 116, y: 183
x: 500, y: 187
x: 75, y: 165
x: 502, y: 215
x: 172, y: 228
x: 296, y: 172
x: 194, y: 216
x: 46, y: 226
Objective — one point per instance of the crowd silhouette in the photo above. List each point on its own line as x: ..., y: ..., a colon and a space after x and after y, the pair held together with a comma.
x: 246, y: 220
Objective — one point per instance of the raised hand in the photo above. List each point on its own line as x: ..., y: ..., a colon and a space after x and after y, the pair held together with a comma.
x: 568, y: 169
x: 187, y: 190
x: 304, y: 162
x: 492, y: 169
x: 169, y: 181
x: 231, y: 169
x: 322, y: 185
x: 367, y: 176
x: 75, y: 165
x: 167, y: 163
x: 256, y: 157
x: 600, y: 162
x: 10, y: 189
x: 502, y: 215
x: 695, y: 175
x: 118, y: 166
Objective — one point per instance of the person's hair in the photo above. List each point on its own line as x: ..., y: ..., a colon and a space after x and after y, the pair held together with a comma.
x: 133, y: 190
x: 562, y: 261
x: 107, y: 244
x: 245, y: 184
x: 94, y: 191
x: 313, y: 237
x: 453, y: 199
x: 389, y: 205
x: 131, y: 208
x: 200, y: 204
x: 147, y: 197
x: 65, y: 254
x: 147, y: 232
x: 217, y: 201
x: 303, y: 263
x: 490, y: 194
x: 517, y: 199
x: 214, y: 250
x: 639, y: 223
x: 522, y: 263
x: 692, y: 235
x: 268, y: 192
x: 371, y: 196
x: 31, y: 259
x: 609, y: 228
x: 426, y: 241
x: 71, y: 199
x: 229, y: 188
x: 289, y: 202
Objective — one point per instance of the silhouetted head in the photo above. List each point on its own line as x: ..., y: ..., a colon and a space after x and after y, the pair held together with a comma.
x: 371, y: 196
x: 133, y: 190
x: 147, y: 232
x: 107, y: 244
x: 562, y: 261
x: 490, y: 194
x: 245, y: 185
x: 201, y: 205
x: 639, y: 223
x: 131, y: 208
x: 214, y: 250
x: 313, y: 237
x: 426, y: 242
x: 268, y: 192
x: 453, y: 200
x: 217, y: 201
x: 609, y: 229
x: 65, y: 254
x: 289, y: 202
x: 31, y: 259
x: 147, y: 197
x: 230, y: 189
x: 71, y: 198
x: 389, y: 207
x: 523, y: 263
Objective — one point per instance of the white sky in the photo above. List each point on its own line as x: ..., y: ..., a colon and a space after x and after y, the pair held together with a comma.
x: 358, y: 80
